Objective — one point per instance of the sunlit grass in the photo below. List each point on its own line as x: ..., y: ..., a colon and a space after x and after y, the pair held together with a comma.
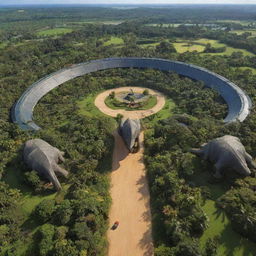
x: 240, y: 32
x: 166, y: 112
x: 253, y: 70
x: 241, y: 22
x: 199, y: 46
x: 87, y: 107
x: 187, y: 47
x: 114, y: 41
x: 165, y: 25
x: 229, y: 49
x: 230, y: 242
x: 105, y: 22
x: 54, y: 31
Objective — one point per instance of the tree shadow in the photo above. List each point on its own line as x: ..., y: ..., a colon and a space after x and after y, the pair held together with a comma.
x: 146, y: 216
x: 232, y: 241
x: 141, y: 159
x: 158, y: 228
x: 120, y: 151
x: 219, y: 214
x: 105, y: 164
x: 15, y: 178
x: 14, y: 175
x: 30, y: 224
x: 143, y: 187
x: 146, y: 243
x: 216, y: 188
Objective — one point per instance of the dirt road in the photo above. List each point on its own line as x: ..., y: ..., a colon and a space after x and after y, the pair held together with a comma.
x: 137, y: 114
x: 130, y: 204
x: 129, y: 187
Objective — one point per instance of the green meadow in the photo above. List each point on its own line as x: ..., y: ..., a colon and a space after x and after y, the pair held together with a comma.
x: 114, y: 41
x: 54, y: 31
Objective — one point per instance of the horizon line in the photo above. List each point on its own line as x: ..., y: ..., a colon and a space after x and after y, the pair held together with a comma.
x: 121, y: 4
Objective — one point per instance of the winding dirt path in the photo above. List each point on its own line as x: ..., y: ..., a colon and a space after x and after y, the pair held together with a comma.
x: 129, y: 188
x: 137, y: 114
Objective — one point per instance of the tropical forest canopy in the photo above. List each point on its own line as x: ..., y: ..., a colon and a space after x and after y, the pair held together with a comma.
x: 34, y: 42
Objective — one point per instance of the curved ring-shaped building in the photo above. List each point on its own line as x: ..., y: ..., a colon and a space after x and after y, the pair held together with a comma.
x: 238, y: 102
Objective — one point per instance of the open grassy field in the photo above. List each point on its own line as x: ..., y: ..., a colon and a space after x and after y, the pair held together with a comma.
x: 240, y: 32
x: 87, y: 107
x: 229, y: 49
x: 205, y: 41
x: 165, y: 25
x: 165, y: 112
x: 231, y: 243
x: 182, y: 46
x: 187, y: 47
x: 111, y: 22
x: 114, y: 41
x: 54, y: 31
x: 199, y: 45
x: 105, y: 22
x: 248, y: 68
x: 241, y: 22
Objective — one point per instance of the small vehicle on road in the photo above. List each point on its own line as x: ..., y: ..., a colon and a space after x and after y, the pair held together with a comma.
x: 115, y: 225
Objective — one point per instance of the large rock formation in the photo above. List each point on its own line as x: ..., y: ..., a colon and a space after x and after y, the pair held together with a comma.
x: 130, y: 131
x: 43, y: 158
x: 226, y: 152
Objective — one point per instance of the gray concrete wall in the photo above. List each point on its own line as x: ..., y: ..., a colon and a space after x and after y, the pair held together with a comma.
x: 238, y: 102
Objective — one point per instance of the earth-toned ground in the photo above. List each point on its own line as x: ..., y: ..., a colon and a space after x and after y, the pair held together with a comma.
x: 129, y: 188
x: 130, y: 204
x: 138, y: 114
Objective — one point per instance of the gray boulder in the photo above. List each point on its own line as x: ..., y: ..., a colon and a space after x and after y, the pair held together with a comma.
x: 226, y: 152
x: 130, y: 131
x: 43, y: 158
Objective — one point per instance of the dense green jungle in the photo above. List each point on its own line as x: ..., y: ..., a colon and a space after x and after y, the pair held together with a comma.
x: 193, y: 214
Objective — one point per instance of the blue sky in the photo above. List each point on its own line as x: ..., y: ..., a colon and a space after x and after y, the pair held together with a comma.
x: 7, y: 2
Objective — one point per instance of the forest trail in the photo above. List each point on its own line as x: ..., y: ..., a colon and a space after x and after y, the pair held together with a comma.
x: 130, y: 203
x: 137, y: 114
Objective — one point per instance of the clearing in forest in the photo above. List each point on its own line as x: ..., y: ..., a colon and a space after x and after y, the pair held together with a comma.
x: 138, y: 114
